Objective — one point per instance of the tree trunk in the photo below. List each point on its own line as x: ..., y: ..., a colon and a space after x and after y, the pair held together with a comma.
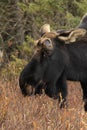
x: 16, y: 22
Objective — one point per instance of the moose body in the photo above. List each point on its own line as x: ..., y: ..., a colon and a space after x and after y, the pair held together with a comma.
x: 54, y: 62
x: 71, y: 65
x: 66, y: 62
x: 75, y: 61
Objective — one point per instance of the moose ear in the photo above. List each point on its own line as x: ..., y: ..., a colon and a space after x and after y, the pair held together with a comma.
x: 77, y: 33
x: 47, y: 44
x: 45, y: 29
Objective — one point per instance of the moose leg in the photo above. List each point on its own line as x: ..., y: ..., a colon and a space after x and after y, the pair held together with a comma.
x: 62, y: 91
x: 39, y: 88
x: 84, y: 88
x: 51, y: 89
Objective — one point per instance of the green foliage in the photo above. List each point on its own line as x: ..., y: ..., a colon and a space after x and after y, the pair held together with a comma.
x: 23, y: 21
x: 71, y: 20
x: 59, y: 13
x: 23, y: 6
x: 81, y: 7
x: 13, y: 68
x: 26, y: 49
x: 4, y: 1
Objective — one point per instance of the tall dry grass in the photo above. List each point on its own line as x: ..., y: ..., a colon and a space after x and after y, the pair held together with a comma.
x: 40, y: 112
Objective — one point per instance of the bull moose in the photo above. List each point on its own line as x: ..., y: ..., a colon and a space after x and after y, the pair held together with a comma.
x: 58, y: 57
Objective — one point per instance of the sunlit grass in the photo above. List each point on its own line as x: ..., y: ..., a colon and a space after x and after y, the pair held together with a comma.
x: 40, y: 112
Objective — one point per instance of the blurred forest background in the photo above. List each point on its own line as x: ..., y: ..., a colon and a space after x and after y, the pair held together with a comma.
x: 20, y: 22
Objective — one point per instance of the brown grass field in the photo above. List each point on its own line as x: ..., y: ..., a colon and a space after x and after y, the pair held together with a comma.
x: 40, y: 112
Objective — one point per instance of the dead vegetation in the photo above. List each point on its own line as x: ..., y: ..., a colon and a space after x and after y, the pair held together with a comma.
x: 40, y: 112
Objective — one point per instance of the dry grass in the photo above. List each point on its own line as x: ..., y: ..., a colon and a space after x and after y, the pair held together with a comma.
x: 40, y: 112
